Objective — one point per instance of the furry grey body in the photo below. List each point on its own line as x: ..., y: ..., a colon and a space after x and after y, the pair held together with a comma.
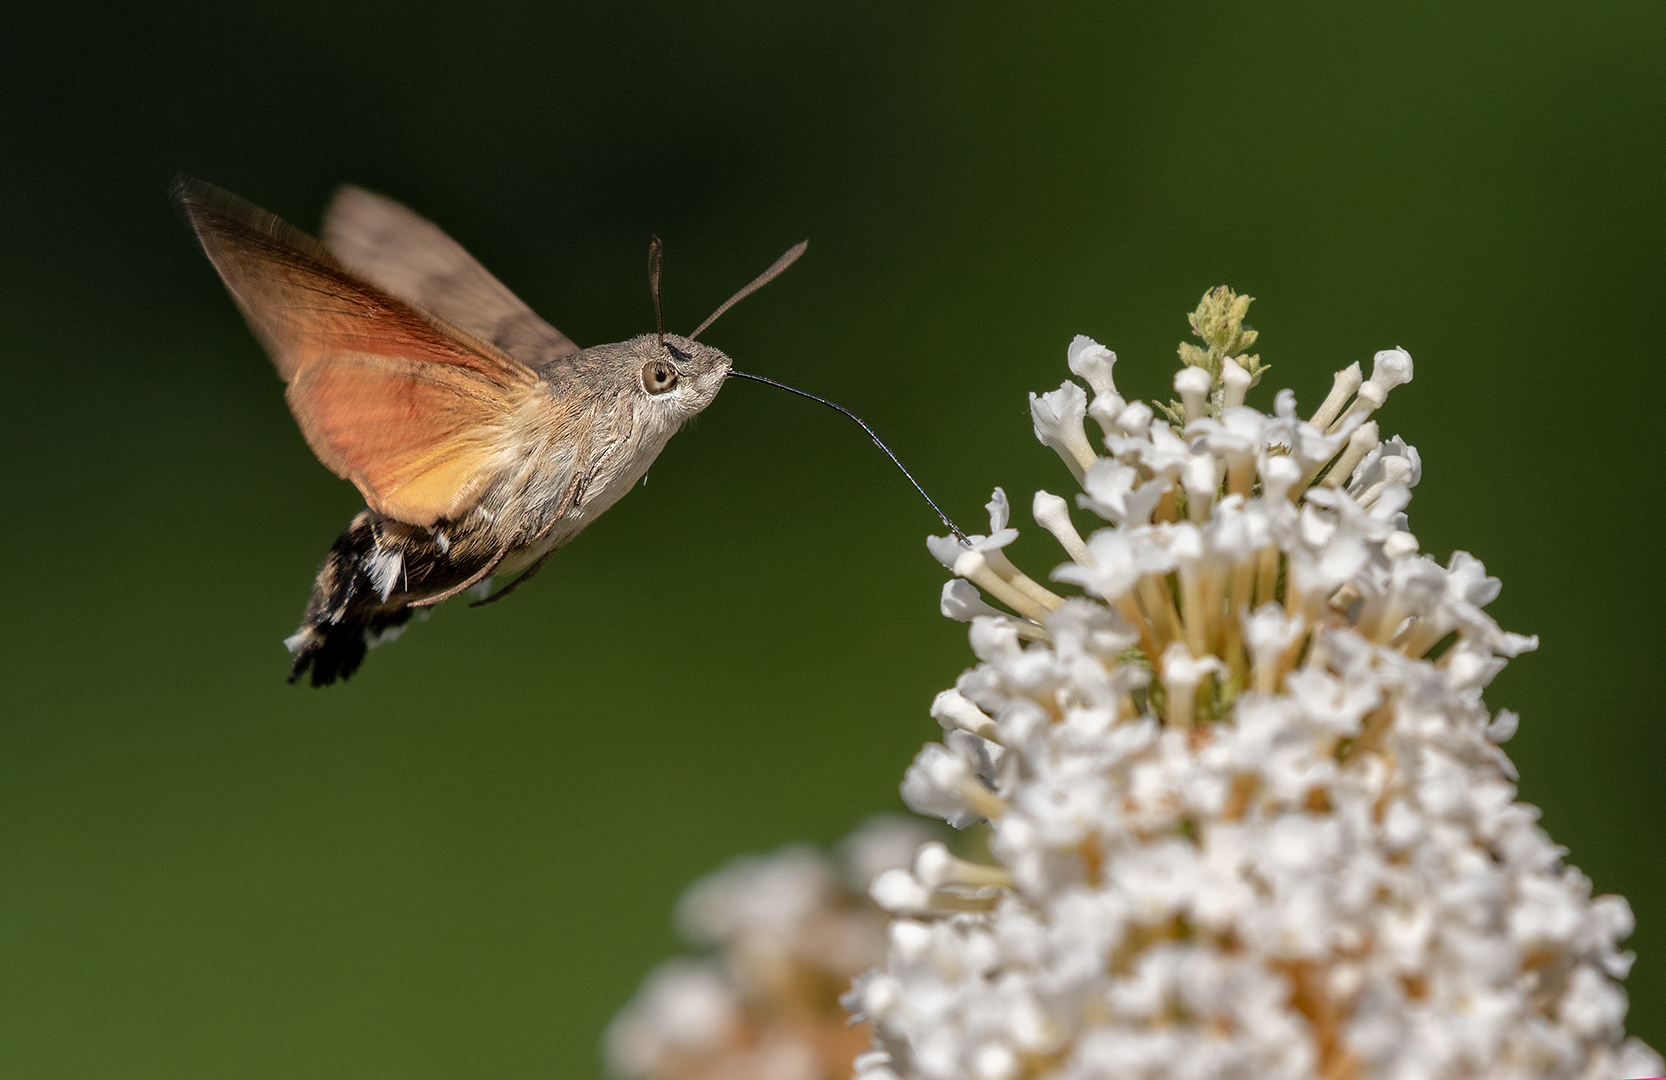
x: 588, y: 435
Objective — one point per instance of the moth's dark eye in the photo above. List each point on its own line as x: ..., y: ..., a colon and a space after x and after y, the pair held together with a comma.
x: 658, y: 377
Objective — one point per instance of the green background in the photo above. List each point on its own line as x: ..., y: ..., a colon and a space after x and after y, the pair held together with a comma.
x: 461, y: 863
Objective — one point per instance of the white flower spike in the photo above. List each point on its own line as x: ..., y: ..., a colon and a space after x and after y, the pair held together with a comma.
x: 1248, y: 812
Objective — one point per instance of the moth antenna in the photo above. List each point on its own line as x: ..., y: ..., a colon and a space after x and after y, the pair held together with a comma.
x: 757, y: 283
x: 781, y: 264
x: 656, y: 255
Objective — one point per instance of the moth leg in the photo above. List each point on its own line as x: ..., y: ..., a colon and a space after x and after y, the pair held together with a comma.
x: 572, y: 500
x: 525, y: 576
x: 473, y: 579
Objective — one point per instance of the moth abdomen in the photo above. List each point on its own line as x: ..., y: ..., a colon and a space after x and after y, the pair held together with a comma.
x: 364, y: 594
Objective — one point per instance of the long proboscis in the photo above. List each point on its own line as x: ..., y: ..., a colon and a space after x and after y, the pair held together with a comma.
x: 774, y: 271
x: 953, y: 528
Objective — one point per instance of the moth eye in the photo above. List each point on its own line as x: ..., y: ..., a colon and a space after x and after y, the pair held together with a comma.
x: 658, y: 377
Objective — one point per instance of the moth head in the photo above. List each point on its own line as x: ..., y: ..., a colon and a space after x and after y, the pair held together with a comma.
x: 681, y: 376
x: 677, y: 376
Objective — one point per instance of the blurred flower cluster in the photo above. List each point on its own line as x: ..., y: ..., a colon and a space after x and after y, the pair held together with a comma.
x: 1247, y: 811
x: 788, y: 931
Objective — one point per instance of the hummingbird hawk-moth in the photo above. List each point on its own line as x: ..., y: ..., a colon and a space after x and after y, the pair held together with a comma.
x: 481, y: 436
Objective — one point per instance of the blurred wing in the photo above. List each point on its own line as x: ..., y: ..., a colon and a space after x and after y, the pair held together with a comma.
x: 408, y: 256
x: 410, y: 409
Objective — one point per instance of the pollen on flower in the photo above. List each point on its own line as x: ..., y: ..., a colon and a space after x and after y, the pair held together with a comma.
x: 1247, y: 809
x: 789, y: 930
